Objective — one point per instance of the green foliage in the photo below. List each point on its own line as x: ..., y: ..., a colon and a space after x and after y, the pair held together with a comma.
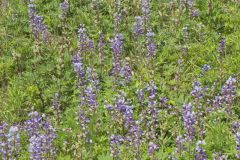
x: 220, y: 139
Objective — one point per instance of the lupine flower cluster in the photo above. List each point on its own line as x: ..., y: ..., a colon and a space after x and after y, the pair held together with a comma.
x: 198, y: 94
x: 84, y: 121
x: 189, y: 121
x: 180, y: 147
x: 146, y: 12
x: 13, y: 140
x: 137, y: 135
x: 151, y: 110
x: 227, y: 96
x: 118, y: 15
x: 138, y: 27
x: 197, y: 90
x: 41, y: 137
x: 85, y: 44
x: 236, y: 127
x: 92, y: 77
x: 201, y: 153
x: 152, y: 102
x: 117, y: 48
x: 152, y: 148
x: 122, y: 114
x: 180, y: 141
x: 228, y: 90
x: 9, y: 141
x: 138, y: 31
x: 64, y: 8
x: 149, y: 118
x: 82, y: 39
x: 88, y: 85
x: 79, y: 68
x: 126, y: 74
x: 124, y: 111
x: 115, y: 143
x: 91, y: 98
x: 151, y: 46
x: 88, y: 106
x: 40, y: 30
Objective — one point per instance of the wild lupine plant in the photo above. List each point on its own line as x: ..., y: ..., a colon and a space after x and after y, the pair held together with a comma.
x: 83, y: 41
x: 118, y: 15
x: 189, y: 122
x: 146, y: 13
x: 9, y: 141
x: 138, y: 29
x: 39, y: 29
x: 138, y: 32
x: 227, y: 96
x: 79, y: 68
x: 151, y: 46
x: 64, y: 9
x: 129, y: 133
x: 117, y: 48
x: 200, y: 151
x: 41, y: 137
x: 198, y: 94
x: 88, y: 85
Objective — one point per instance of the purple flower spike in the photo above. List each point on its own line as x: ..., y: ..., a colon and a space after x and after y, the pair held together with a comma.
x: 200, y: 151
x: 151, y: 46
x: 42, y: 134
x: 64, y: 8
x: 82, y: 39
x: 152, y: 148
x: 138, y: 27
x: 189, y: 121
x: 115, y: 143
x: 117, y: 48
x: 197, y: 91
x: 79, y: 68
x: 40, y: 30
x: 146, y: 11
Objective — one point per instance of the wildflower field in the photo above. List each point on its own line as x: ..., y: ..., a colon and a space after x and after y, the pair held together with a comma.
x: 119, y: 79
